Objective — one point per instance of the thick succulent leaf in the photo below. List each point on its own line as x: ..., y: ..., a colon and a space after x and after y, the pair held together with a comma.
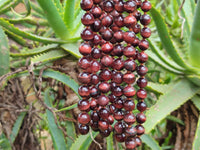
x: 27, y: 35
x: 194, y: 79
x: 10, y: 5
x: 165, y: 38
x: 54, y: 18
x: 69, y: 13
x: 17, y: 126
x: 56, y: 134
x: 4, y: 53
x: 3, y: 3
x: 181, y: 92
x: 71, y: 132
x: 28, y: 7
x: 37, y: 9
x: 59, y: 7
x: 38, y: 50
x: 159, y: 88
x: 196, y: 101
x: 195, y: 39
x: 109, y: 142
x: 196, y: 143
x: 83, y: 141
x: 49, y: 56
x: 72, y: 49
x: 150, y: 142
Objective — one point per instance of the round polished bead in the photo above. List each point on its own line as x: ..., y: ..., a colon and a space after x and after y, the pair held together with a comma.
x: 129, y: 51
x: 130, y: 143
x: 129, y: 91
x: 142, y: 82
x: 97, y: 1
x: 97, y: 39
x: 138, y: 141
x: 107, y: 60
x: 146, y: 6
x: 130, y: 21
x: 104, y: 87
x: 103, y: 125
x: 118, y: 114
x: 120, y: 137
x: 111, y: 108
x: 118, y: 50
x: 112, y: 97
x: 129, y: 36
x: 94, y: 125
x: 85, y: 48
x: 130, y: 65
x: 141, y: 93
x: 107, y: 34
x: 108, y: 6
x: 145, y: 19
x: 84, y: 77
x: 137, y: 28
x: 94, y: 79
x: 119, y: 21
x: 145, y: 32
x: 103, y: 100
x: 117, y: 91
x: 138, y: 3
x: 129, y: 105
x: 94, y: 92
x: 87, y: 19
x: 105, y: 133
x: 87, y: 34
x: 131, y: 131
x: 96, y: 53
x: 112, y: 85
x: 140, y: 117
x: 136, y: 42
x: 141, y: 106
x: 83, y: 129
x: 110, y: 119
x: 137, y: 14
x: 107, y: 47
x: 96, y: 26
x: 83, y: 91
x: 96, y: 11
x: 107, y: 20
x: 93, y: 104
x: 130, y: 6
x: 105, y: 75
x: 118, y: 36
x: 129, y: 118
x: 104, y: 113
x: 83, y: 105
x: 114, y: 27
x: 142, y: 57
x: 95, y: 66
x: 83, y: 118
x: 114, y: 13
x: 119, y: 6
x: 118, y: 64
x: 86, y: 4
x: 140, y: 129
x: 117, y: 77
x: 94, y: 116
x: 129, y: 78
x: 119, y: 127
x: 119, y: 103
x: 142, y: 70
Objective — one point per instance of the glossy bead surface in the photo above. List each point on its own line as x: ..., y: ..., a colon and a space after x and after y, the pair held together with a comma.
x: 129, y: 105
x: 117, y: 77
x: 96, y: 53
x: 119, y: 103
x: 112, y: 97
x: 140, y: 129
x: 93, y: 104
x: 118, y: 36
x: 104, y: 87
x: 130, y: 6
x: 118, y: 50
x: 129, y: 118
x: 129, y: 37
x: 105, y: 75
x: 85, y: 48
x: 146, y: 6
x: 130, y: 143
x: 142, y: 57
x: 95, y: 66
x: 119, y: 6
x: 104, y: 113
x: 119, y: 127
x: 87, y: 19
x: 141, y: 93
x: 83, y: 118
x: 107, y: 34
x: 118, y: 64
x: 84, y: 77
x: 117, y: 91
x: 94, y: 92
x: 96, y: 11
x: 119, y: 21
x: 130, y: 65
x: 87, y: 34
x: 120, y: 137
x: 96, y: 39
x: 94, y: 116
x: 107, y: 21
x: 142, y: 82
x: 118, y: 114
x: 107, y: 60
x: 86, y: 4
x: 96, y: 26
x: 140, y: 118
x: 110, y: 119
x: 142, y: 70
x: 145, y: 19
x: 83, y: 129
x: 83, y: 105
x: 129, y: 51
x: 138, y: 141
x: 94, y: 125
x: 103, y: 125
x: 129, y: 78
x: 108, y: 6
x: 131, y: 131
x: 130, y: 21
x: 107, y: 48
x: 137, y: 28
x: 103, y: 100
x: 94, y: 79
x: 145, y: 32
x: 129, y: 91
x: 141, y: 106
x: 83, y: 91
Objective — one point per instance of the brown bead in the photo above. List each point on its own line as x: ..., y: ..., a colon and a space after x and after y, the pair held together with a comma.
x: 96, y: 11
x: 83, y: 129
x: 118, y: 115
x: 130, y: 65
x: 94, y: 92
x: 142, y: 82
x: 118, y: 103
x: 145, y: 32
x: 130, y: 21
x: 117, y: 91
x: 85, y: 48
x: 103, y: 125
x: 94, y: 125
x: 118, y: 64
x: 119, y: 21
x: 110, y: 119
x: 96, y: 26
x: 130, y: 6
x: 104, y: 113
x: 119, y: 6
x: 137, y: 28
x: 118, y: 36
x: 129, y: 105
x: 107, y: 34
x: 104, y: 87
x: 112, y: 97
x: 95, y: 66
x: 87, y: 19
x: 119, y: 127
x: 105, y: 75
x: 141, y: 106
x: 146, y: 6
x: 129, y: 91
x: 130, y: 143
x: 86, y: 4
x: 83, y: 91
x: 83, y: 105
x: 107, y: 48
x: 129, y: 37
x: 103, y: 100
x: 141, y: 93
x: 107, y: 60
x: 93, y: 104
x: 107, y: 20
x: 138, y: 141
x: 87, y: 34
x: 84, y: 77
x: 120, y: 137
x: 117, y: 77
x: 129, y: 51
x: 118, y: 50
x: 83, y: 118
x: 140, y: 129
x: 145, y: 19
x: 142, y: 70
x: 94, y: 79
x: 129, y: 118
x: 140, y: 117
x: 131, y: 131
x: 142, y: 57
x: 108, y: 6
x: 97, y: 39
x: 129, y: 78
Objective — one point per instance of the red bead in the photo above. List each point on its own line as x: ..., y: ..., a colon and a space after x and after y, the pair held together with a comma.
x: 110, y: 119
x: 129, y: 118
x: 83, y: 129
x: 94, y: 116
x: 94, y: 79
x: 85, y: 48
x: 142, y: 82
x: 138, y: 141
x: 84, y: 77
x: 119, y: 127
x: 96, y: 1
x: 129, y: 51
x: 97, y: 39
x: 119, y: 6
x: 130, y: 65
x: 117, y: 91
x: 131, y: 131
x: 145, y: 32
x: 136, y: 28
x: 130, y: 6
x: 119, y: 21
x: 145, y: 19
x: 129, y: 105
x: 130, y: 143
x: 118, y: 103
x: 96, y: 26
x: 103, y: 125
x: 114, y: 27
x: 96, y: 11
x: 95, y: 66
x: 108, y: 6
x: 87, y: 34
x: 137, y: 14
x: 105, y: 133
x: 107, y: 34
x: 83, y: 91
x: 138, y: 3
x: 112, y: 97
x: 104, y: 87
x: 114, y: 13
x: 113, y: 85
x: 118, y: 64
x: 142, y: 57
x: 107, y: 20
x: 93, y: 104
x: 146, y: 6
x: 117, y: 77
x: 104, y: 113
x: 136, y: 42
x: 112, y: 108
x: 107, y: 60
x: 141, y: 106
x: 120, y: 137
x: 94, y: 125
x: 86, y: 4
x: 83, y: 105
x: 96, y: 53
x: 141, y: 118
x: 142, y: 70
x: 94, y: 92
x: 129, y: 91
x: 140, y: 129
x: 130, y: 21
x: 129, y: 78
x: 118, y: 50
x: 118, y: 115
x: 105, y: 75
x: 143, y: 44
x: 103, y: 100
x: 107, y: 48
x: 87, y: 19
x: 118, y: 36
x: 141, y: 93
x: 129, y: 37
x: 83, y: 118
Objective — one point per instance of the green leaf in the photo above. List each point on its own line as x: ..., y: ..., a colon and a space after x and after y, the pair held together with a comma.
x: 67, y: 108
x: 196, y: 101
x: 10, y: 5
x: 159, y: 88
x: 72, y: 48
x: 59, y: 7
x: 69, y: 13
x: 70, y: 130
x: 27, y: 35
x: 28, y: 7
x: 181, y: 92
x: 54, y: 18
x: 17, y: 126
x: 83, y: 141
x: 150, y: 142
x: 3, y: 3
x: 194, y: 53
x: 109, y: 142
x: 165, y: 37
x: 49, y: 56
x: 56, y: 134
x: 175, y: 119
x: 4, y: 143
x: 196, y: 143
x: 194, y: 79
x: 4, y: 53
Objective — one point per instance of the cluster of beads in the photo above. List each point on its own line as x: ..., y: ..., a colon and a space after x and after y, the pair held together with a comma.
x: 113, y: 60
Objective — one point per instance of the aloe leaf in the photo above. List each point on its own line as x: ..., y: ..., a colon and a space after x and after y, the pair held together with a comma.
x: 194, y: 53
x: 49, y: 56
x: 109, y: 142
x: 181, y: 92
x: 38, y: 50
x: 17, y: 126
x: 3, y: 3
x: 150, y: 142
x: 159, y: 62
x: 28, y: 7
x: 71, y: 132
x: 196, y: 101
x: 72, y: 48
x: 27, y: 35
x: 69, y: 13
x: 4, y: 53
x: 59, y: 7
x: 37, y: 9
x: 194, y: 79
x: 56, y: 134
x: 159, y: 88
x: 83, y: 141
x: 54, y: 18
x: 196, y: 143
x: 165, y: 38
x: 12, y: 4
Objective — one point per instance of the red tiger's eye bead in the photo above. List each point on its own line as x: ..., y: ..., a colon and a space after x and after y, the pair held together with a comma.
x: 137, y: 14
x: 141, y: 118
x: 142, y: 70
x: 96, y: 26
x: 131, y: 131
x: 110, y: 119
x: 117, y: 77
x: 83, y: 129
x: 83, y: 118
x: 85, y: 48
x: 93, y: 104
x: 130, y: 6
x: 129, y: 51
x: 86, y: 4
x: 142, y: 57
x: 129, y: 37
x: 96, y: 53
x: 119, y: 21
x: 107, y: 60
x: 94, y: 116
x: 119, y: 6
x: 112, y: 108
x: 145, y: 19
x: 130, y: 65
x: 129, y: 118
x: 129, y: 78
x: 141, y: 106
x: 118, y: 64
x: 120, y: 137
x: 108, y: 6
x: 130, y: 21
x: 138, y: 141
x: 136, y: 42
x: 112, y: 97
x: 87, y: 34
x: 103, y: 100
x: 105, y: 133
x: 118, y: 115
x: 141, y: 93
x: 129, y: 91
x: 142, y: 82
x: 94, y: 92
x: 107, y: 48
x: 137, y: 28
x: 94, y: 125
x: 119, y: 127
x: 146, y: 6
x: 107, y: 20
x: 118, y: 36
x: 118, y: 50
x: 138, y: 2
x: 103, y: 125
x: 104, y: 87
x: 140, y: 129
x: 105, y: 75
x: 83, y: 105
x: 94, y: 79
x: 118, y: 103
x: 104, y: 113
x: 83, y: 91
x: 95, y: 66
x: 145, y: 32
x: 87, y: 19
x: 96, y: 1
x: 84, y: 77
x: 107, y: 34
x: 130, y: 143
x: 96, y: 11
x: 97, y: 39
x: 129, y: 105
x: 117, y: 91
